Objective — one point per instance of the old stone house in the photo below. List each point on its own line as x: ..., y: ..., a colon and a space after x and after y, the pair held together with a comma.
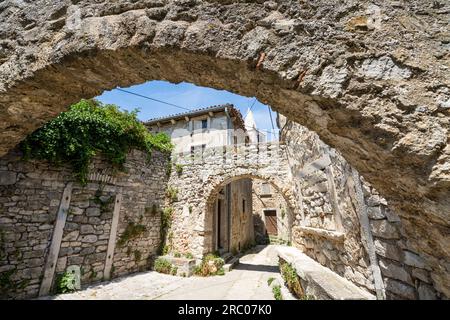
x: 194, y: 132
x: 272, y: 217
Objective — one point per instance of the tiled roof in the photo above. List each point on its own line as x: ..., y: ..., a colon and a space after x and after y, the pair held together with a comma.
x: 197, y: 112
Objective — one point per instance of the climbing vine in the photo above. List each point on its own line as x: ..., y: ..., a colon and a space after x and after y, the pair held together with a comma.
x: 132, y: 231
x: 89, y: 128
x: 166, y: 222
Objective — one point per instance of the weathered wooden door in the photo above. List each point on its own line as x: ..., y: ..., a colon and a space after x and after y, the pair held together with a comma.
x: 271, y: 222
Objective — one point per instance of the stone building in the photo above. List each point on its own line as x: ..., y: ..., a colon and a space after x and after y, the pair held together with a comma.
x: 271, y: 214
x: 202, y: 128
x: 194, y: 132
x: 382, y: 104
x: 272, y: 217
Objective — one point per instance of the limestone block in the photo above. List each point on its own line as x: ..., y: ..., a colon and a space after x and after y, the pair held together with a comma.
x: 375, y: 213
x: 71, y: 236
x: 61, y: 264
x: 388, y: 250
x: 93, y: 212
x: 414, y: 260
x: 392, y: 270
x: 421, y: 274
x: 86, y: 229
x: 384, y: 229
x: 400, y: 289
x: 7, y: 178
x: 426, y: 292
x: 89, y: 238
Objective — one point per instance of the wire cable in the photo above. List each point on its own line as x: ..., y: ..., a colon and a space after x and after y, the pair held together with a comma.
x: 153, y: 99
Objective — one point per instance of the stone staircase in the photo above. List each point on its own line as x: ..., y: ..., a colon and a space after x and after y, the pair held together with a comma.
x: 230, y: 261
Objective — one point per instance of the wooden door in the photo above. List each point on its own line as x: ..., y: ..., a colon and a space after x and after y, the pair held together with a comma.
x: 271, y: 222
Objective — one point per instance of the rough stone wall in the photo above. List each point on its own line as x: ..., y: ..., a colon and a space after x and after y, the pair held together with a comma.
x: 273, y: 201
x: 343, y: 247
x: 370, y: 78
x: 30, y: 195
x: 205, y: 174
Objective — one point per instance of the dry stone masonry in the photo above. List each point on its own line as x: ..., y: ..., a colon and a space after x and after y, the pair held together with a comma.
x: 205, y: 174
x: 318, y: 172
x: 31, y: 193
x: 370, y: 79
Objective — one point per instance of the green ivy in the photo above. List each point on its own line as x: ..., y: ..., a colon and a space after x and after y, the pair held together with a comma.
x: 166, y: 222
x: 89, y: 128
x: 292, y: 279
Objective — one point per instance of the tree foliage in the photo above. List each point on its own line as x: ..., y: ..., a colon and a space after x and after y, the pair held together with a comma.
x: 89, y: 128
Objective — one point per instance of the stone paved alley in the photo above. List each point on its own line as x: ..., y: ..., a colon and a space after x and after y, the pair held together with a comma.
x: 248, y: 280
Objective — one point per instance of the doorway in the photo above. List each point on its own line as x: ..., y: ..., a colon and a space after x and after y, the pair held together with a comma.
x: 270, y: 217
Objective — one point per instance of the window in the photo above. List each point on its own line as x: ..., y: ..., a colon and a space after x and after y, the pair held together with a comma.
x: 243, y: 205
x: 204, y: 124
x: 266, y: 189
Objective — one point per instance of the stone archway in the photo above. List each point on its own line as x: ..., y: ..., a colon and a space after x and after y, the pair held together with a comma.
x: 383, y: 104
x: 283, y: 187
x: 203, y: 176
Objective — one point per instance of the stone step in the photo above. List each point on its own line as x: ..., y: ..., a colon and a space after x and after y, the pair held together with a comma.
x: 227, y: 267
x: 227, y: 256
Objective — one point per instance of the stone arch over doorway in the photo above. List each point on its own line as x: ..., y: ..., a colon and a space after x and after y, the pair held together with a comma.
x: 284, y: 188
x: 205, y: 173
x: 383, y: 105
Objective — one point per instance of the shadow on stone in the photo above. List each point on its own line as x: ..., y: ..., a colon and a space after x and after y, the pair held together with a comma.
x: 257, y: 267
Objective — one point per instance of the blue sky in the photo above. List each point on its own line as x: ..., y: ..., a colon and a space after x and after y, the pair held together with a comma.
x: 185, y: 95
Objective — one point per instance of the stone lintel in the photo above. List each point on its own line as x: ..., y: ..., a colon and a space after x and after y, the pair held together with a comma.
x: 329, y: 234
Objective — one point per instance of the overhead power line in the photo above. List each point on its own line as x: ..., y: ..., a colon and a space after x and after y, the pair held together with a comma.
x: 153, y: 99
x: 271, y: 120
